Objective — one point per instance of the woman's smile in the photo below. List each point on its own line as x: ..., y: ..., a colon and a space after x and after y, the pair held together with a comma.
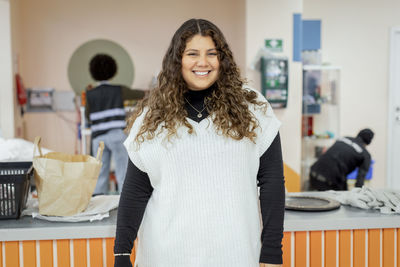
x: 201, y: 73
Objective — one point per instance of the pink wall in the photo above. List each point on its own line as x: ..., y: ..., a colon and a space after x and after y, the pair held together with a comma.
x: 49, y: 32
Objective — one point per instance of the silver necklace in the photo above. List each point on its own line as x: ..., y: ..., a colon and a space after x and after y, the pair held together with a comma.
x: 199, y: 115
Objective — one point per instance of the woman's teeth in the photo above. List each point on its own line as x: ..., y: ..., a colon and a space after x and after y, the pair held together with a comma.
x: 201, y: 72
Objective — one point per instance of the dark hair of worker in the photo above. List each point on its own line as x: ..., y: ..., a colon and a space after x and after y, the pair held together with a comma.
x: 366, y: 135
x: 102, y: 67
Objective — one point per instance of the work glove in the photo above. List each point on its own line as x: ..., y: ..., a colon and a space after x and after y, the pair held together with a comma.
x: 355, y: 198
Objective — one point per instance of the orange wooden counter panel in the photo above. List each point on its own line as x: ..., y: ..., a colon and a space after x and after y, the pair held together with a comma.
x: 85, y: 253
x: 303, y: 248
x: 356, y: 248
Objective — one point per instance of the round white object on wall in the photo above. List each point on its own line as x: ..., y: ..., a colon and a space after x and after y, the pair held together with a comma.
x: 78, y: 67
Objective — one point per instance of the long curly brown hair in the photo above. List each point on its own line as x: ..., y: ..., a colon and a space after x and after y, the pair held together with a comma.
x: 229, y: 102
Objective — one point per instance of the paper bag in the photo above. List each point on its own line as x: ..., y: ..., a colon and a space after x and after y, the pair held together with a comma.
x: 64, y: 182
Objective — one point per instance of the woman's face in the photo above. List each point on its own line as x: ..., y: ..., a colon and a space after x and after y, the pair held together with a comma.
x: 200, y: 64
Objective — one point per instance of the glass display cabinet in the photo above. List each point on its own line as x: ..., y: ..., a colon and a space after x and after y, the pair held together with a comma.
x: 320, y: 114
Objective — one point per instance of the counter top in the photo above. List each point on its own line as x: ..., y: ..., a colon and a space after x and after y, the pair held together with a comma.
x: 346, y: 217
x: 27, y: 228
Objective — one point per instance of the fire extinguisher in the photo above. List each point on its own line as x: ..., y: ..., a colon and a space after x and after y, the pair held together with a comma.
x: 21, y: 92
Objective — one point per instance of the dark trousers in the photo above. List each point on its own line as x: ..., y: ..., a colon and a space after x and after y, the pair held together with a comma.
x: 320, y: 182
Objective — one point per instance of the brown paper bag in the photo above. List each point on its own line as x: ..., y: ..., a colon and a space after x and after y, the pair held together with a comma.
x: 64, y: 182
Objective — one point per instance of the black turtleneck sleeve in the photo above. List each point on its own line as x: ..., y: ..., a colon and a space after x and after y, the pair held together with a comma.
x: 135, y: 194
x: 272, y: 202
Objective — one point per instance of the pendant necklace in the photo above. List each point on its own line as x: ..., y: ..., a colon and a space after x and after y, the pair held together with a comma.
x: 199, y: 115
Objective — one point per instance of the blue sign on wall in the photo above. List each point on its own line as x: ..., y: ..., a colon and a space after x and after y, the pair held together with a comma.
x: 311, y: 35
x: 297, y: 36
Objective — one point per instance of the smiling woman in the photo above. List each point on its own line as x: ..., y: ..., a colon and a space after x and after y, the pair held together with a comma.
x: 198, y: 146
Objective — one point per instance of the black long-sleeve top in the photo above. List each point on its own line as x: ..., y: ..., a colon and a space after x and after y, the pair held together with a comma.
x: 137, y: 190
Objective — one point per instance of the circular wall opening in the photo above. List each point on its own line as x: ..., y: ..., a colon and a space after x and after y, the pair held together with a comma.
x: 78, y: 67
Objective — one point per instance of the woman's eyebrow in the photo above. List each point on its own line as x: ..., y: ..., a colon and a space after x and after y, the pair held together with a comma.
x: 196, y: 50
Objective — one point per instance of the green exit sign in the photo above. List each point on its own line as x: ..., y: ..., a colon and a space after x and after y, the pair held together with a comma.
x: 274, y: 45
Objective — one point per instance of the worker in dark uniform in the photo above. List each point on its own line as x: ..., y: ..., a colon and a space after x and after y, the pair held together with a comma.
x: 330, y: 171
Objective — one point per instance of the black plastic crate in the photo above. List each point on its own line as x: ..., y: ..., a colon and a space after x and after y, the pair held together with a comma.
x: 14, y: 188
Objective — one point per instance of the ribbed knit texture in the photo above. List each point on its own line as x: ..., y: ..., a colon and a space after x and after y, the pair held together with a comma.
x: 204, y: 207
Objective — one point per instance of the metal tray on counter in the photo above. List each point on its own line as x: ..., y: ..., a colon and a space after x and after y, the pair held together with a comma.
x: 308, y: 203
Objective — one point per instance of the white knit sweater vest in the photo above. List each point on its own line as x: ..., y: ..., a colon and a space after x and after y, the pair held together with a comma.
x: 203, y: 211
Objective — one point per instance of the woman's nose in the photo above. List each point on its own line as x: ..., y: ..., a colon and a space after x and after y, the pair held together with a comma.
x: 202, y: 60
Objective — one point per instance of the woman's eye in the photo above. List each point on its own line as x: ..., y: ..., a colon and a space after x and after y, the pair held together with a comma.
x: 192, y: 54
x: 212, y: 54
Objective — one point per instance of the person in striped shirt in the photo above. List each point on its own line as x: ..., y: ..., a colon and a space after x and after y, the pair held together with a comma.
x: 106, y: 115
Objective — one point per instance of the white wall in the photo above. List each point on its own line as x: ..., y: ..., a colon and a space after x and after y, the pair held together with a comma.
x: 6, y: 81
x: 274, y: 19
x: 355, y: 35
